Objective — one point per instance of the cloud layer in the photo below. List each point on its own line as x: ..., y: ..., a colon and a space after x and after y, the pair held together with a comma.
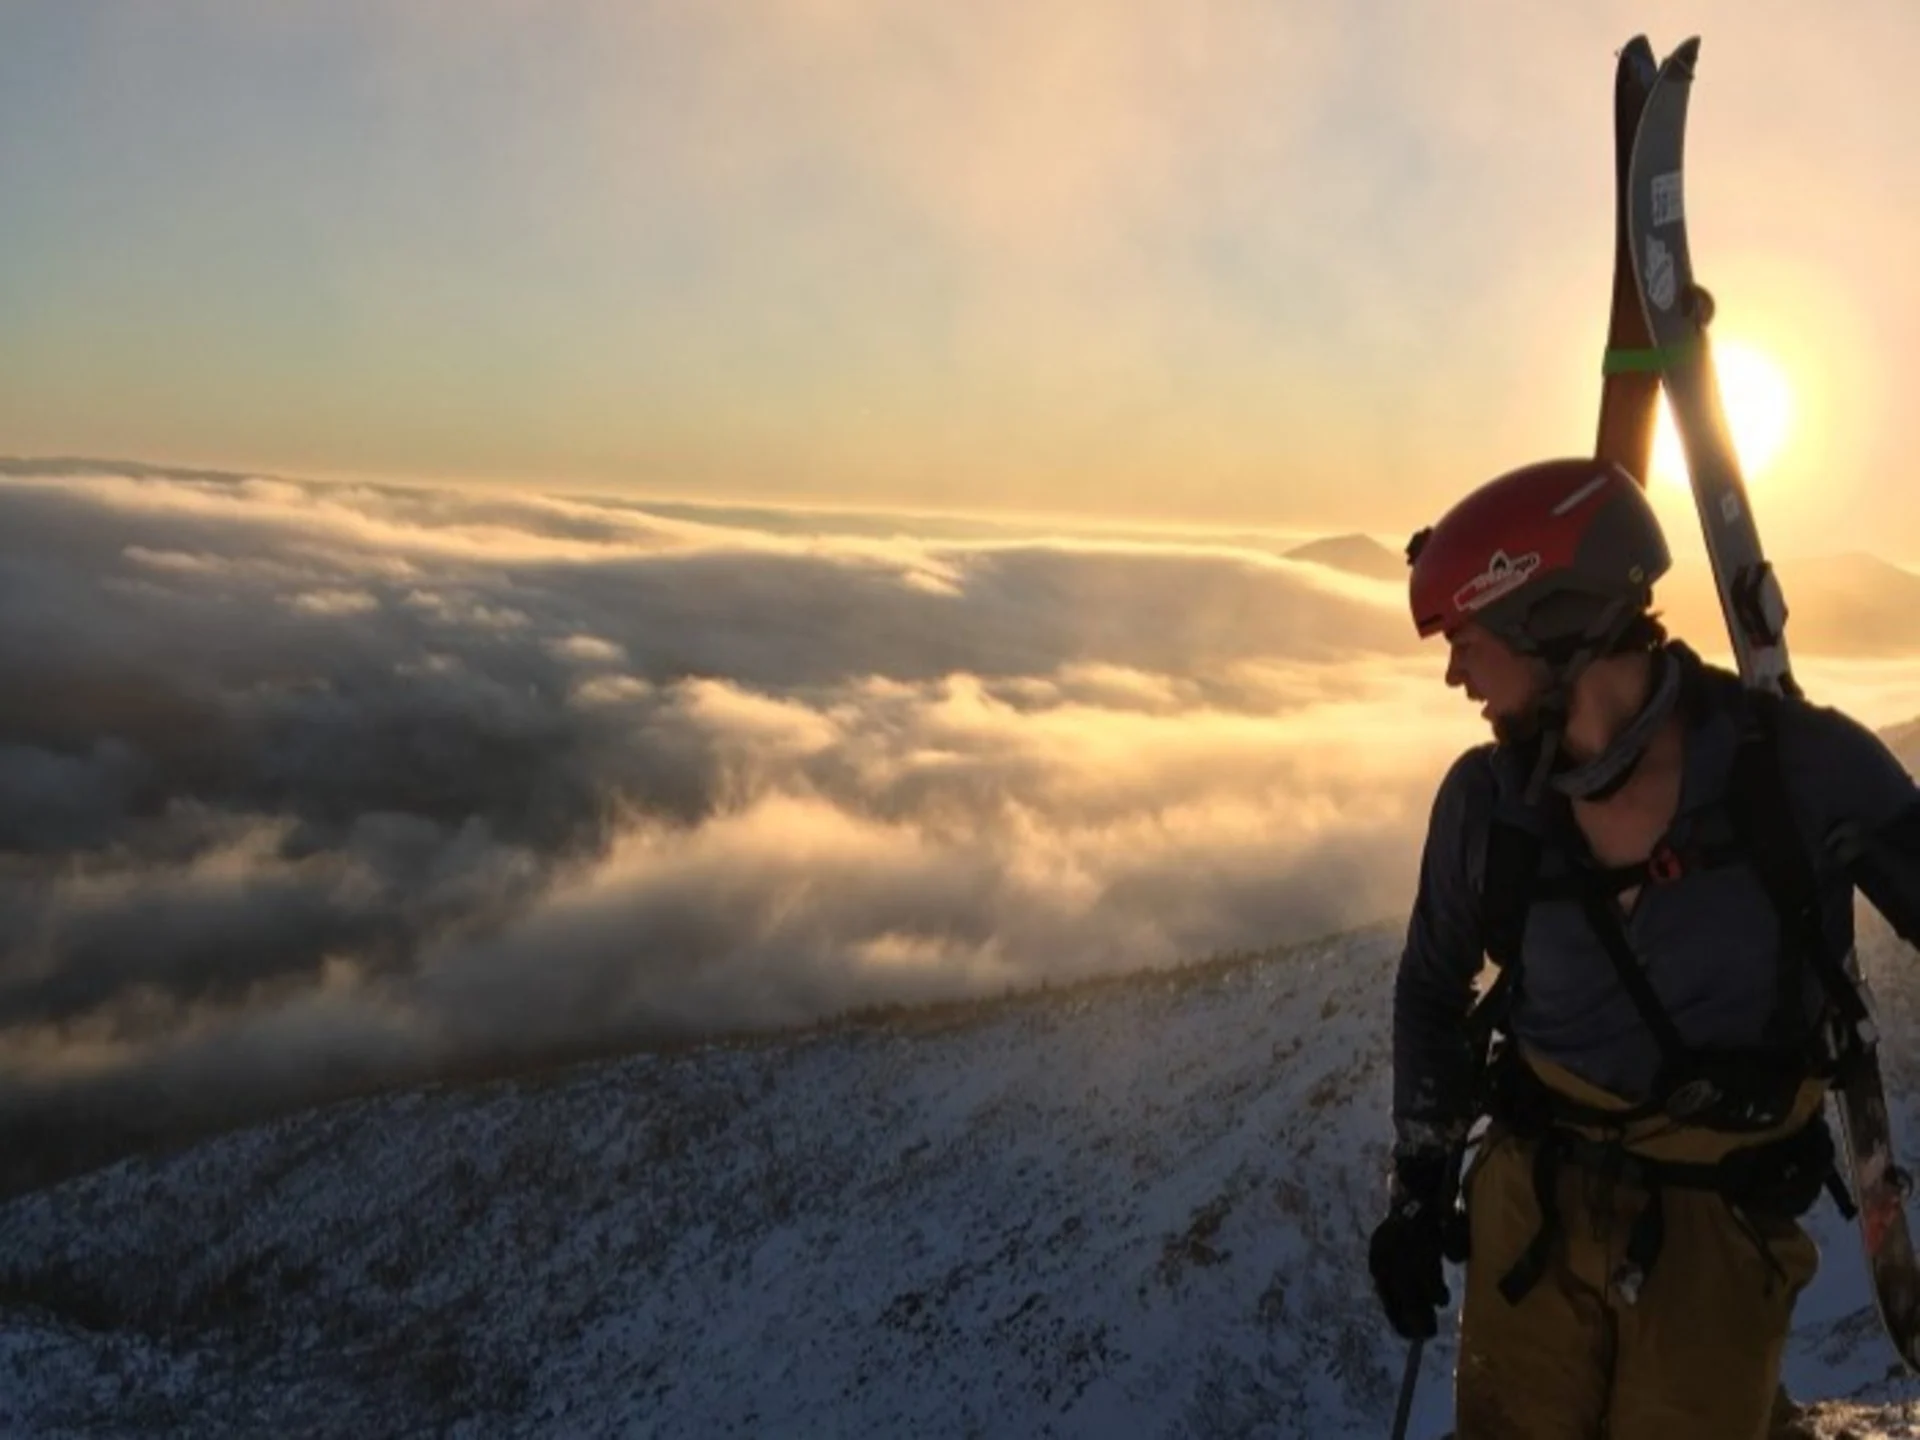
x: 305, y: 785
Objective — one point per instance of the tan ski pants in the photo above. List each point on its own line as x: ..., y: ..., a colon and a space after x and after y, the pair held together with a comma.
x: 1694, y: 1356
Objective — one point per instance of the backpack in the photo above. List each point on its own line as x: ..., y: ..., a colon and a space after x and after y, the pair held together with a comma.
x: 1742, y: 1090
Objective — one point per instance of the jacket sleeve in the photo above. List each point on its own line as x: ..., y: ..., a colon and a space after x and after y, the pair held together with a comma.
x: 1866, y: 809
x: 1434, y: 988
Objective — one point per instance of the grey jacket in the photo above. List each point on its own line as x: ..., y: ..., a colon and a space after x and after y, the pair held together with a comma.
x: 1708, y: 940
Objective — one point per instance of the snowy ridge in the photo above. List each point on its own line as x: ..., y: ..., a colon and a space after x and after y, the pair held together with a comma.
x: 1129, y: 1208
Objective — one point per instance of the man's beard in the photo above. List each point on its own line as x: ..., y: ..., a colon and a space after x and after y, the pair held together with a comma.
x: 1521, y: 729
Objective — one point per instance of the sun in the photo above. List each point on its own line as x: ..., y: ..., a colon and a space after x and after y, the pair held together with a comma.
x: 1759, y: 406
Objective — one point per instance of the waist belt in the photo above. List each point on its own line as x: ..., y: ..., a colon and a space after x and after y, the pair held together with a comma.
x: 1781, y: 1178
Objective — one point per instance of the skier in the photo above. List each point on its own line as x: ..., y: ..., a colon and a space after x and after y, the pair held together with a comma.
x: 1652, y: 855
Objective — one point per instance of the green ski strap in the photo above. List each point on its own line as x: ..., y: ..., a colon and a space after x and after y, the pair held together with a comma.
x: 1653, y: 361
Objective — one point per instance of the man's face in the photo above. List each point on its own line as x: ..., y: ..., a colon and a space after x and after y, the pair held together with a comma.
x: 1506, y: 684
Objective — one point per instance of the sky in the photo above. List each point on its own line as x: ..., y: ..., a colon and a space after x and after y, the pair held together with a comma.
x: 1183, y: 261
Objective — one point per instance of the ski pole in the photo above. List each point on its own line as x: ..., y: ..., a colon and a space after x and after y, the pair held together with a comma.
x: 1408, y: 1382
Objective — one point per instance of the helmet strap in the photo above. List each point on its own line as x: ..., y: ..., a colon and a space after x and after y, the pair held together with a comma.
x: 1566, y: 659
x: 1553, y: 725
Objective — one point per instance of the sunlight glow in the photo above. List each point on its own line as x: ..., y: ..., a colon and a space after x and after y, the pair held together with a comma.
x: 1759, y: 407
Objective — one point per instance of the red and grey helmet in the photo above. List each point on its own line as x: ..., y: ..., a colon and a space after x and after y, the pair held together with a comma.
x: 1540, y: 556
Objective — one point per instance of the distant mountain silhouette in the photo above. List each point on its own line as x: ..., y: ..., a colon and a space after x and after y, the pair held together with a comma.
x: 1851, y: 604
x: 1904, y: 740
x: 1355, y: 554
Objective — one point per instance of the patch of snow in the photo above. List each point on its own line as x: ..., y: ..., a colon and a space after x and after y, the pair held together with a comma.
x: 1126, y: 1208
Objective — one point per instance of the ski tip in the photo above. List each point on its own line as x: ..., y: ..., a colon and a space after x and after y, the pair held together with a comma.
x: 1637, y: 64
x: 1684, y: 59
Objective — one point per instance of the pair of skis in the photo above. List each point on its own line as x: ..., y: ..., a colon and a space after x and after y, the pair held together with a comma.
x: 1657, y: 335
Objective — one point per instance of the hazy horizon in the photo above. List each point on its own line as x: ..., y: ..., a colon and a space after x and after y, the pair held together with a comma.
x: 953, y: 522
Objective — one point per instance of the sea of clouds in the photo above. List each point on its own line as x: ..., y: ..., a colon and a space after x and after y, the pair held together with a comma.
x: 306, y: 786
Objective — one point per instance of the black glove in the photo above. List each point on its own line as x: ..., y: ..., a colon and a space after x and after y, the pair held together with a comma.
x: 1408, y: 1246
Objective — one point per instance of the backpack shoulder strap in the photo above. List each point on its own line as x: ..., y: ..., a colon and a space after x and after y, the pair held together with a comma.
x: 1506, y: 895
x: 1762, y: 813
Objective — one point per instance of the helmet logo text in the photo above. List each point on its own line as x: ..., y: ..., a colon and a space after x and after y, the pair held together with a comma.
x: 1504, y: 573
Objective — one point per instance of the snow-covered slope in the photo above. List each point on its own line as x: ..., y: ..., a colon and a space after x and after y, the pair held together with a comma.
x: 1131, y: 1208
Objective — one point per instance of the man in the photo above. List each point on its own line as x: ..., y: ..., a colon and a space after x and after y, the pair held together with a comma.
x: 1667, y: 1018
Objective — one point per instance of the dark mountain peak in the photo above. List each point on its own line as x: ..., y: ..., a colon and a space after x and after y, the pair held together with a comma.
x: 1355, y: 554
